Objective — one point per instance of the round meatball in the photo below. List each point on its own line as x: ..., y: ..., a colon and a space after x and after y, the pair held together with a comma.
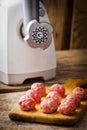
x: 58, y: 88
x: 32, y: 93
x: 75, y: 98
x: 26, y: 103
x: 39, y: 87
x: 48, y: 105
x: 55, y: 96
x: 67, y: 107
x: 81, y: 92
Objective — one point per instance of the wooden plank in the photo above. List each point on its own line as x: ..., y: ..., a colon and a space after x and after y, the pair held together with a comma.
x: 57, y: 12
x: 79, y: 25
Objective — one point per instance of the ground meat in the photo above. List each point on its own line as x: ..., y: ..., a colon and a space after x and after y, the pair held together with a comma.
x: 75, y: 98
x: 58, y: 88
x: 32, y: 93
x: 80, y: 92
x: 26, y: 103
x: 67, y: 107
x: 48, y: 105
x: 39, y: 87
x: 55, y: 96
x: 72, y: 101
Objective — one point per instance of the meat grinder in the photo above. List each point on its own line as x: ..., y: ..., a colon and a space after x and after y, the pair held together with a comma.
x: 27, y: 47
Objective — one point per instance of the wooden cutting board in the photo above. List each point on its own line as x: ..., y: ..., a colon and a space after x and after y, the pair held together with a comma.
x: 55, y: 118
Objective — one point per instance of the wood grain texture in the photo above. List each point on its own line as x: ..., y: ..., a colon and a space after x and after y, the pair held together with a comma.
x: 79, y: 25
x: 57, y: 12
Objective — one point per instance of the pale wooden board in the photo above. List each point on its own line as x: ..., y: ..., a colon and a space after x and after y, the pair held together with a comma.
x: 55, y: 118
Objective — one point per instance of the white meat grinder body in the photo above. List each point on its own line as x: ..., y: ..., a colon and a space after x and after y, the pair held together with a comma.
x: 18, y: 61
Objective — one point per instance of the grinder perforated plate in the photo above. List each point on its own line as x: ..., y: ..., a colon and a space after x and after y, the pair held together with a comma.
x: 39, y: 35
x: 55, y: 118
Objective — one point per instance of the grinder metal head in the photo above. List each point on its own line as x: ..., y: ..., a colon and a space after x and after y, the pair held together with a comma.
x: 39, y: 34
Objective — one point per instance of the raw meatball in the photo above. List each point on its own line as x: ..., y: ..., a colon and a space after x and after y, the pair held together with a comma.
x: 39, y: 87
x: 58, y: 88
x: 48, y: 105
x: 26, y: 103
x: 80, y: 92
x: 32, y: 93
x: 75, y: 98
x: 54, y: 95
x: 67, y: 107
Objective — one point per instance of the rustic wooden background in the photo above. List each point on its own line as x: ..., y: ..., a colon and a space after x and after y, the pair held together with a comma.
x: 79, y: 25
x: 69, y: 19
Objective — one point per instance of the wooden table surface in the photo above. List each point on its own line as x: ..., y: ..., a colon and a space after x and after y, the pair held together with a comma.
x: 70, y: 64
